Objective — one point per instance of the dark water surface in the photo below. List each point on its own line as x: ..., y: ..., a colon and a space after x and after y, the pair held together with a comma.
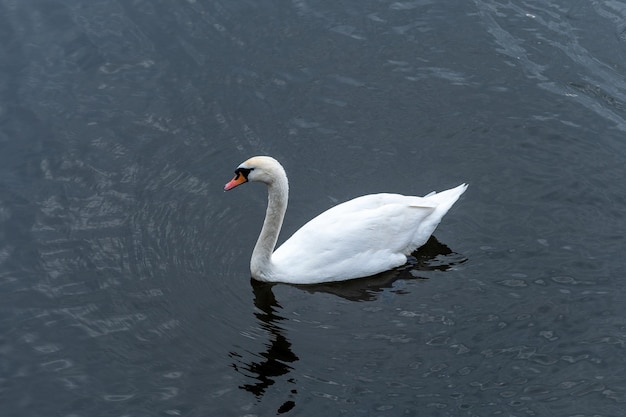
x: 124, y: 281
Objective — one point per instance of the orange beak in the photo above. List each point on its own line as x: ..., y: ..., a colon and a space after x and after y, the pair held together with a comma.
x: 238, y: 180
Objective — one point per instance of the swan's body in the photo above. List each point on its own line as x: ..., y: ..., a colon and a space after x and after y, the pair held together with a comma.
x: 361, y: 237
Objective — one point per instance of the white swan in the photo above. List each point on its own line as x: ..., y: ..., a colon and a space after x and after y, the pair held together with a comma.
x: 361, y: 237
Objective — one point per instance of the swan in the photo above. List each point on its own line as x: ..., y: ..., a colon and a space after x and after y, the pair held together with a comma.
x: 361, y: 237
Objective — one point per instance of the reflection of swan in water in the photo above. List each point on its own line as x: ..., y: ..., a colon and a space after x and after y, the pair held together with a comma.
x: 276, y: 359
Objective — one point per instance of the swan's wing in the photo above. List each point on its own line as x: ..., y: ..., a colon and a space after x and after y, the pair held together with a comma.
x: 361, y: 237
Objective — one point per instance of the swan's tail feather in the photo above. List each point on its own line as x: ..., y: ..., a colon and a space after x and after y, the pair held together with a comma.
x: 446, y: 199
x: 452, y: 194
x: 442, y: 202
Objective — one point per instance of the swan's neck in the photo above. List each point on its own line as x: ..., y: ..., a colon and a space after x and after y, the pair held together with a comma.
x: 261, y: 262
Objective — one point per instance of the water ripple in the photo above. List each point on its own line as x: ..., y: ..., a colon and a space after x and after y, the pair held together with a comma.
x: 601, y: 89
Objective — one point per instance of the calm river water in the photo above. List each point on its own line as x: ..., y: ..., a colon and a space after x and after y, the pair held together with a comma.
x: 124, y: 277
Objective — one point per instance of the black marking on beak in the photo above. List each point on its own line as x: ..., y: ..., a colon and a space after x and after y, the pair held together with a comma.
x: 243, y: 171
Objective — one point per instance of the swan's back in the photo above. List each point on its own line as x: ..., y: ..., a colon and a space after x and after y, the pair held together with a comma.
x: 361, y: 237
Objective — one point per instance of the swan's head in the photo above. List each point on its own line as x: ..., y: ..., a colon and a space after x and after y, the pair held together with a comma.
x: 263, y: 169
